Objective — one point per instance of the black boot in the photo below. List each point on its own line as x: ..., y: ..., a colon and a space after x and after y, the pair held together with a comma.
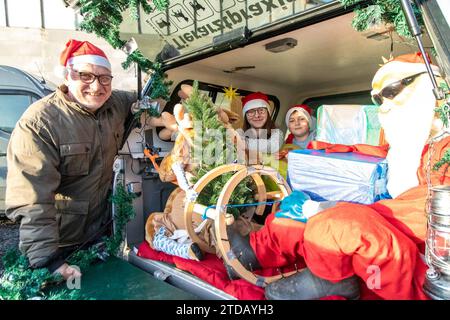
x: 240, y: 245
x: 306, y: 286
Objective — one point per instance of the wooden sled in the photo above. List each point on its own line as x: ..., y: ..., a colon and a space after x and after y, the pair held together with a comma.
x: 222, y: 219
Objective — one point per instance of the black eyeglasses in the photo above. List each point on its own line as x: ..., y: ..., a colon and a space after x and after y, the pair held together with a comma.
x: 251, y: 113
x: 392, y: 90
x: 88, y: 78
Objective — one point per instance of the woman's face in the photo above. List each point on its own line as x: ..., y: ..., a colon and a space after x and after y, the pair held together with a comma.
x: 257, y: 117
x: 298, y: 124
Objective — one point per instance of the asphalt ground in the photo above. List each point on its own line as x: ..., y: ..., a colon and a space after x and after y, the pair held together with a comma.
x: 9, y: 237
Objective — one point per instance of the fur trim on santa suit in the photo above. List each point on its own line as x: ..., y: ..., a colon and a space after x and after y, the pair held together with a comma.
x: 254, y: 101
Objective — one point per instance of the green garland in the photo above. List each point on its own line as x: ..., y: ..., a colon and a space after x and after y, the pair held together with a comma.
x: 387, y: 12
x: 444, y: 114
x: 202, y: 110
x: 20, y: 282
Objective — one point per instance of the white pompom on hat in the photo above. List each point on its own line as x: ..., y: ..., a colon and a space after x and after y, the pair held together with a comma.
x: 83, y: 52
x: 253, y: 101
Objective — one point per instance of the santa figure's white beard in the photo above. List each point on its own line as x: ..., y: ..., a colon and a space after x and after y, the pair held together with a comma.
x: 407, y: 128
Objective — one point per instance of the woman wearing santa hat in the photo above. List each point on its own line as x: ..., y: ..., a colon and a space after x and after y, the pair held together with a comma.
x: 260, y: 133
x: 60, y: 157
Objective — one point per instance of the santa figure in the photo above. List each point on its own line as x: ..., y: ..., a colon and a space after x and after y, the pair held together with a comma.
x: 381, y: 245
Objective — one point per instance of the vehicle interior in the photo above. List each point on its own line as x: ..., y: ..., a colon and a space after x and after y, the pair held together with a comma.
x: 331, y: 64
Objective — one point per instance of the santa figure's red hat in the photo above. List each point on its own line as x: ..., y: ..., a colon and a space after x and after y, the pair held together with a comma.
x: 253, y: 101
x: 399, y: 68
x: 83, y: 52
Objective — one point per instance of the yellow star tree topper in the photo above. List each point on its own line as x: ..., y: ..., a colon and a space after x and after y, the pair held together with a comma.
x: 230, y: 93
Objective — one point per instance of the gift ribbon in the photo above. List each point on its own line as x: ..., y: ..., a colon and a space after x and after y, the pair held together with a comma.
x: 366, y: 149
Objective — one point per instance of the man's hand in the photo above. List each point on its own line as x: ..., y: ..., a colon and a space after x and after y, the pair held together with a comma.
x: 67, y: 271
x: 135, y: 107
x: 145, y: 103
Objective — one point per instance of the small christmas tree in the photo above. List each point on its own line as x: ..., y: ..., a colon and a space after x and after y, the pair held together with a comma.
x: 207, y: 137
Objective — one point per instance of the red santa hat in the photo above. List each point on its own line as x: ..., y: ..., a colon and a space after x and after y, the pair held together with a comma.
x: 83, y: 52
x: 305, y: 111
x: 253, y: 101
x: 401, y: 67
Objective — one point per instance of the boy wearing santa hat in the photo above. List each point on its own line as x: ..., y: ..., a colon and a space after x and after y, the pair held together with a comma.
x: 60, y: 157
x: 301, y: 125
x: 302, y: 128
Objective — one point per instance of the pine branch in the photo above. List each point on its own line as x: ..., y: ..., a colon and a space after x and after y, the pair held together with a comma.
x: 202, y: 109
x: 20, y: 282
x: 388, y: 12
x: 445, y: 160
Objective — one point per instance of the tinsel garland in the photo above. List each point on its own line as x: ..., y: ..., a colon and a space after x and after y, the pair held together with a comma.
x: 20, y: 282
x: 203, y: 110
x: 444, y: 114
x: 103, y: 18
x: 388, y: 12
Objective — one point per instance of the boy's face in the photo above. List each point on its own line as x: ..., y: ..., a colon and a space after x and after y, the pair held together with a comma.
x: 298, y: 124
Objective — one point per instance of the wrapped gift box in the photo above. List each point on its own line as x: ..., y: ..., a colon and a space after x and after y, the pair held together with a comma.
x: 348, y: 124
x: 338, y: 176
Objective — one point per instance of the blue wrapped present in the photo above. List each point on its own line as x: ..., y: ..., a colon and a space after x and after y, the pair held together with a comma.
x: 338, y: 176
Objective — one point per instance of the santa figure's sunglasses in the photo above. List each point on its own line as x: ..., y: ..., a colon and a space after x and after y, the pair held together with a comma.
x: 392, y: 90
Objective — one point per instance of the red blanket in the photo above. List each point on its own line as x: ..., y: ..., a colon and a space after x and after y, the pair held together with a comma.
x: 212, y: 271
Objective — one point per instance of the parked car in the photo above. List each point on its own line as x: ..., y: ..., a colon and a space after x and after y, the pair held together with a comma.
x: 18, y: 89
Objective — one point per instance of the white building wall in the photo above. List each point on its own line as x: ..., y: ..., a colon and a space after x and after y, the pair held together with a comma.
x: 27, y: 46
x: 37, y: 51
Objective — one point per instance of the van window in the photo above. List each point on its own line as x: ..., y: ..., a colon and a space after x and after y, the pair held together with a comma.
x: 12, y: 106
x: 217, y: 95
x: 360, y: 97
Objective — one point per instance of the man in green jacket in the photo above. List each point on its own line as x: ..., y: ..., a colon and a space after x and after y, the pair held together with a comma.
x: 60, y: 159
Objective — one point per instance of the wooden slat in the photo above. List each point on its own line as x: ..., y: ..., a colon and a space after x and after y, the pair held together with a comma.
x: 220, y: 224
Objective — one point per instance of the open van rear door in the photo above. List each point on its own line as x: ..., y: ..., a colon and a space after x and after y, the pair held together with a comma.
x: 436, y: 14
